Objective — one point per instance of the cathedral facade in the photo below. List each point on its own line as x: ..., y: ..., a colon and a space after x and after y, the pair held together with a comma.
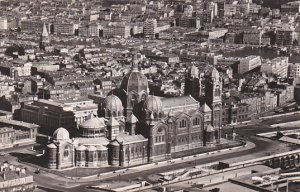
x: 135, y: 127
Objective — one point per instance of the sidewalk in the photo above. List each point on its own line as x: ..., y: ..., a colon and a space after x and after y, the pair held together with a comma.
x: 280, y: 115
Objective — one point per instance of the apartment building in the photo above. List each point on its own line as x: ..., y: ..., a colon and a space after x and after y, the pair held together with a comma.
x: 249, y: 63
x: 65, y: 28
x: 116, y: 29
x: 150, y: 28
x: 3, y: 23
x: 252, y: 36
x: 277, y: 66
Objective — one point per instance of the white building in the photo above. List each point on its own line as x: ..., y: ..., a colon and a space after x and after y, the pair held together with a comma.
x: 64, y: 28
x: 214, y: 33
x: 116, y: 29
x: 294, y: 70
x: 150, y: 27
x: 249, y: 63
x: 277, y: 66
x: 3, y: 23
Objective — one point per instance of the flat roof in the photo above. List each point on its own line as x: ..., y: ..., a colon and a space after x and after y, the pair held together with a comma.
x: 18, y: 123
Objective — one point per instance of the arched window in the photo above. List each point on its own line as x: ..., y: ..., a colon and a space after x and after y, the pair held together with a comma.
x: 66, y: 152
x: 182, y: 123
x: 114, y: 114
x: 143, y: 97
x: 133, y: 100
x: 160, y: 135
x: 196, y: 121
x: 217, y: 91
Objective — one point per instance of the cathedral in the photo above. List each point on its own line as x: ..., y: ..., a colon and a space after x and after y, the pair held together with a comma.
x: 134, y: 127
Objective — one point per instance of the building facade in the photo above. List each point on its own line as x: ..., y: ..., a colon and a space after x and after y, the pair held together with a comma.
x: 150, y: 28
x: 249, y: 63
x: 116, y: 30
x: 277, y: 66
x: 3, y: 23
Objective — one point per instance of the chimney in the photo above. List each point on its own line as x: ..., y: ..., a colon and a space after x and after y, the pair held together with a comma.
x: 22, y: 171
x: 11, y: 167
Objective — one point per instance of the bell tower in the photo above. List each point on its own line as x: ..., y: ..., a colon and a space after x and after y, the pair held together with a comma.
x: 45, y: 39
x: 213, y: 97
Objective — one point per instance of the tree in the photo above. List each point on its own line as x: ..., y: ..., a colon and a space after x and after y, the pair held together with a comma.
x: 15, y: 48
x: 215, y: 190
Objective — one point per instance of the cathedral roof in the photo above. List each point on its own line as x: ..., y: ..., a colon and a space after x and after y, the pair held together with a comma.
x: 61, y: 134
x: 172, y: 102
x: 127, y: 139
x: 92, y: 141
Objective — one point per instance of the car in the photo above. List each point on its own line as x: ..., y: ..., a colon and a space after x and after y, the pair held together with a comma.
x: 278, y: 111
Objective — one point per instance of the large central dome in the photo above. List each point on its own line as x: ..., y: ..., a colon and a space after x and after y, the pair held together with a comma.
x: 135, y: 81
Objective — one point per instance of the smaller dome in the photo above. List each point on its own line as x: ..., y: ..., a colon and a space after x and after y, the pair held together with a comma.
x: 101, y: 148
x: 81, y: 148
x: 91, y: 148
x: 61, y: 134
x: 153, y: 104
x: 93, y: 123
x: 52, y: 146
x: 113, y: 104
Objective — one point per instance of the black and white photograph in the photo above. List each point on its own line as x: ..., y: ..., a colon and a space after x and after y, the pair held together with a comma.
x: 149, y: 96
